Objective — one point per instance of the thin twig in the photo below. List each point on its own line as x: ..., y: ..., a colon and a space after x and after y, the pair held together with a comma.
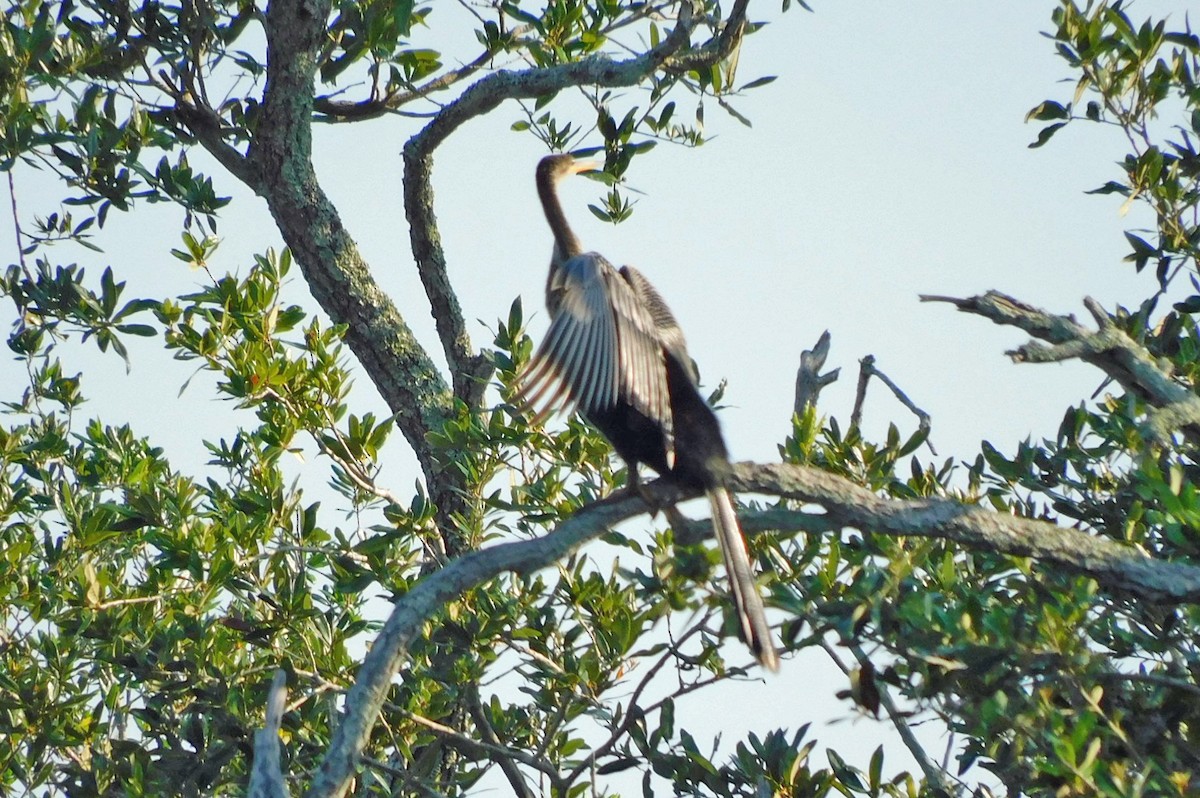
x: 400, y: 773
x: 934, y: 774
x: 473, y: 746
x: 633, y: 714
x: 867, y: 370
x: 502, y: 758
x: 1153, y: 678
x: 12, y: 198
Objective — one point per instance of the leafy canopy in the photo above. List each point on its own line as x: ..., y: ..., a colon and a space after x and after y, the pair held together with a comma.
x: 145, y: 606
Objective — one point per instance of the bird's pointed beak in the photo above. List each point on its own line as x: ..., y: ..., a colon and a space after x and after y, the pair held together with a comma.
x: 582, y: 167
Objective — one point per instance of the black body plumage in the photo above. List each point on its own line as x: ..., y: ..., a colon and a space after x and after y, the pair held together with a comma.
x: 615, y: 353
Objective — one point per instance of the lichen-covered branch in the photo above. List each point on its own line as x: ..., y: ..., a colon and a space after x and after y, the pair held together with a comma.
x: 469, y: 371
x: 339, y: 278
x: 266, y: 777
x: 1118, y: 568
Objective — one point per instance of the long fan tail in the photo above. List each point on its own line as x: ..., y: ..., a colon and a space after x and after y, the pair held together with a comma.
x: 747, y: 602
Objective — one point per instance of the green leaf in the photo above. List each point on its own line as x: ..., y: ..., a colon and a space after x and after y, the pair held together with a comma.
x: 144, y: 330
x: 1045, y: 134
x: 763, y: 81
x: 1111, y: 187
x: 1048, y: 110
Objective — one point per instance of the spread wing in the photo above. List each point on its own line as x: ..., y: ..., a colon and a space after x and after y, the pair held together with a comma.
x: 603, y: 345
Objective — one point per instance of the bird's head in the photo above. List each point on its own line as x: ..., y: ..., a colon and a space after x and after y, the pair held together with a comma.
x: 553, y: 168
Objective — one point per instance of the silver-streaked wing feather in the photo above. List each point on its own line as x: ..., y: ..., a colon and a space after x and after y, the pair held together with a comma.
x: 602, y: 345
x: 670, y: 339
x: 670, y: 334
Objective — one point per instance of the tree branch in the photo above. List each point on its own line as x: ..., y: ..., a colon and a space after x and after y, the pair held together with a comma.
x: 356, y: 110
x: 633, y: 713
x: 206, y: 125
x: 507, y: 766
x: 809, y: 379
x: 336, y: 273
x: 488, y: 92
x: 474, y: 747
x: 469, y: 372
x: 867, y: 370
x: 1118, y: 568
x: 935, y: 775
x: 1108, y: 348
x: 365, y: 698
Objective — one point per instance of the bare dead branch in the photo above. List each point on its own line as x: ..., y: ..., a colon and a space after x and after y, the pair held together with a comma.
x: 860, y: 391
x: 1108, y: 348
x: 469, y: 372
x: 809, y: 379
x: 866, y: 371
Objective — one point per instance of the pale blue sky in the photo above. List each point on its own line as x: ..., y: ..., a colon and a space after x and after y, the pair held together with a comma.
x: 889, y: 159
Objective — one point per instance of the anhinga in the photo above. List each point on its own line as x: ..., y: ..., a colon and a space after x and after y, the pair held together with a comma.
x: 616, y: 354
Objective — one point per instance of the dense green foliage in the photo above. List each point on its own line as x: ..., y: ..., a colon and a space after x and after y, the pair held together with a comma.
x: 143, y: 609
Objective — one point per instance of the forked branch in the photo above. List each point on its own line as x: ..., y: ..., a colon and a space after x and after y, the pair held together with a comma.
x: 1108, y: 347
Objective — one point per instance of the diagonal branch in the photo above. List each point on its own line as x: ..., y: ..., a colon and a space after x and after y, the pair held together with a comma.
x: 339, y: 278
x: 934, y: 775
x: 266, y: 777
x: 355, y: 110
x: 430, y: 594
x: 507, y: 766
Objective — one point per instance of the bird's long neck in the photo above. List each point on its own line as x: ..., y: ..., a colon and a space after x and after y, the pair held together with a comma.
x: 566, y: 245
